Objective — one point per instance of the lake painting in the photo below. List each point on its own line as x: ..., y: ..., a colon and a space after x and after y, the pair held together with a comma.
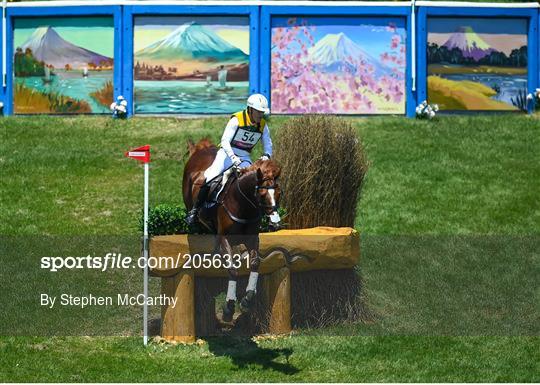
x: 338, y: 65
x: 477, y: 63
x: 63, y: 65
x: 191, y: 65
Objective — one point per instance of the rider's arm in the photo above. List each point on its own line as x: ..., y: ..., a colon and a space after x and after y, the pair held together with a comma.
x: 267, y: 141
x: 228, y: 135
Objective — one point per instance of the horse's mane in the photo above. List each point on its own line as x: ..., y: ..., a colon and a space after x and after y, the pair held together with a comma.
x: 269, y: 168
x: 201, y: 144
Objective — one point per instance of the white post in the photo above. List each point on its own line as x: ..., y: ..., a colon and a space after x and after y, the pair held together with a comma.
x: 145, y: 253
x: 4, y: 41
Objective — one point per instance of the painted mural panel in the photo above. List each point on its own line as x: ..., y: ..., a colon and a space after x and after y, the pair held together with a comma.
x: 63, y: 65
x: 477, y: 63
x: 340, y: 65
x: 191, y: 64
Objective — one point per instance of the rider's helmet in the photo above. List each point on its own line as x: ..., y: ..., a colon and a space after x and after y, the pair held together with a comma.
x: 258, y: 102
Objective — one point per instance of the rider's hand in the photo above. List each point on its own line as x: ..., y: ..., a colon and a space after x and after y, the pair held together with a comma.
x: 265, y: 157
x: 236, y: 161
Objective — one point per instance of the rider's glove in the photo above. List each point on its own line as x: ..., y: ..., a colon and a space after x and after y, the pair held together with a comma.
x: 265, y: 157
x: 236, y: 161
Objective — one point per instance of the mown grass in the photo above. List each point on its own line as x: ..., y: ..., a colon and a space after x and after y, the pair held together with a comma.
x: 314, y: 359
x: 449, y: 218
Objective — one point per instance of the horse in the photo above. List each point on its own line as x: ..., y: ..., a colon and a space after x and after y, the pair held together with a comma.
x: 236, y: 217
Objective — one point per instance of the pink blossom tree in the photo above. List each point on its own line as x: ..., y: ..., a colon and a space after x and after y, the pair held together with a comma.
x: 298, y: 86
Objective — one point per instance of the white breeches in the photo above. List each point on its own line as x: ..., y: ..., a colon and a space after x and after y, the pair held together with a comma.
x: 221, y: 163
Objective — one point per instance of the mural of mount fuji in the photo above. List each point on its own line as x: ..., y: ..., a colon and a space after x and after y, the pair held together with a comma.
x: 48, y: 46
x: 191, y: 65
x: 338, y: 53
x: 469, y: 44
x: 477, y: 64
x: 63, y: 66
x: 341, y: 66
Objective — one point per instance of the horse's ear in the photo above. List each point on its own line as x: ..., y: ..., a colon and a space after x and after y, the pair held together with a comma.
x: 260, y: 175
x: 191, y: 146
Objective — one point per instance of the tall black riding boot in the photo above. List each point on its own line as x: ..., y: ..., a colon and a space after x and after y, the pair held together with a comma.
x: 201, y: 198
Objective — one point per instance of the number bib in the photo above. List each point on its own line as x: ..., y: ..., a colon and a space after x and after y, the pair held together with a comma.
x: 245, y: 139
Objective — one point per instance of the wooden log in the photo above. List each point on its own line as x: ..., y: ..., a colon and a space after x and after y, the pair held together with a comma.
x: 277, y: 292
x: 178, y: 323
x: 318, y: 248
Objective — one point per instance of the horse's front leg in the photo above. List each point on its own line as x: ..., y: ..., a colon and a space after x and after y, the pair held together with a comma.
x: 230, y: 300
x: 254, y: 261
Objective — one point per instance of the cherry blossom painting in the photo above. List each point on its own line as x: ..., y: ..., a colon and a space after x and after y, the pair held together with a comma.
x: 338, y: 65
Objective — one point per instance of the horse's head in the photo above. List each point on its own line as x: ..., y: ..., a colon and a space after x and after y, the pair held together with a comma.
x: 268, y: 190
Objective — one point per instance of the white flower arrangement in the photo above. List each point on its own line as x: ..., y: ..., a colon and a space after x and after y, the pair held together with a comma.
x: 119, y: 108
x: 426, y: 111
x: 535, y: 98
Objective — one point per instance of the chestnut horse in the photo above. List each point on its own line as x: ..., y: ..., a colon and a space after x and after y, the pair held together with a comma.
x: 236, y: 217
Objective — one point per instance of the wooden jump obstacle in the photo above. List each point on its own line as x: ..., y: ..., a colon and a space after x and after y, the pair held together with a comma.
x: 286, y: 251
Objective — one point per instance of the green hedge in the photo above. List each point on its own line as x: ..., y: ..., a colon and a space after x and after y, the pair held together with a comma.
x: 166, y: 219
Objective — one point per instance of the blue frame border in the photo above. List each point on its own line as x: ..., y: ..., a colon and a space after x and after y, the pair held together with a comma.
x: 130, y: 12
x: 260, y: 35
x: 268, y: 12
x: 95, y: 10
x: 532, y: 14
x: 2, y: 88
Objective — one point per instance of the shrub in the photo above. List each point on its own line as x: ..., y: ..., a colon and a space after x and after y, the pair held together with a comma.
x: 165, y: 219
x: 323, y: 167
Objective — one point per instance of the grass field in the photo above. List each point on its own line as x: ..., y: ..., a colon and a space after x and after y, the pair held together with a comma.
x: 450, y: 223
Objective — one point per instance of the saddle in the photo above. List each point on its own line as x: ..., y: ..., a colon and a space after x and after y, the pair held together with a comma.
x: 217, y: 185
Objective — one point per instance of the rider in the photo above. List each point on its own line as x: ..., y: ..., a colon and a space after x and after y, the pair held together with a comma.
x: 242, y: 133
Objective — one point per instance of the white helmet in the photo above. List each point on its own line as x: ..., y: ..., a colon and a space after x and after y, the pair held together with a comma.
x: 258, y: 102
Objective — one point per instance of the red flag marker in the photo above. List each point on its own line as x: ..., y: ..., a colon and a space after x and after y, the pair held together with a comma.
x: 142, y: 154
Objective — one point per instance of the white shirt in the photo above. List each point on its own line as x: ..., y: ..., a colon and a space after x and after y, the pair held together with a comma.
x: 228, y: 136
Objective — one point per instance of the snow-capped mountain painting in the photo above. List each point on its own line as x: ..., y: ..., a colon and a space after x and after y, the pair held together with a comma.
x: 48, y: 46
x: 337, y: 52
x: 332, y: 65
x: 192, y: 41
x: 191, y: 64
x: 477, y: 63
x: 63, y: 65
x: 469, y: 43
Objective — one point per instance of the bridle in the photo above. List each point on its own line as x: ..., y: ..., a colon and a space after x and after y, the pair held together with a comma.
x: 257, y: 205
x: 271, y: 187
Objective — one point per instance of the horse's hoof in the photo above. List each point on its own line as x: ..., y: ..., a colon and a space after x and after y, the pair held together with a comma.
x: 228, y: 310
x: 247, y: 302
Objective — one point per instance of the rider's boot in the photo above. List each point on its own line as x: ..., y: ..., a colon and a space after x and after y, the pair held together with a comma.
x: 228, y: 310
x: 201, y: 198
x: 247, y: 302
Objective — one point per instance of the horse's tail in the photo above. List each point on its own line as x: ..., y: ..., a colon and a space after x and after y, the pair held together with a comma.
x: 203, y: 143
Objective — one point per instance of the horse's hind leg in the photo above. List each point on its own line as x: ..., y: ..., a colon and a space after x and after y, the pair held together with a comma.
x: 254, y: 261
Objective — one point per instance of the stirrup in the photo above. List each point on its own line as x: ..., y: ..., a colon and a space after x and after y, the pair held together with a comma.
x: 191, y: 218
